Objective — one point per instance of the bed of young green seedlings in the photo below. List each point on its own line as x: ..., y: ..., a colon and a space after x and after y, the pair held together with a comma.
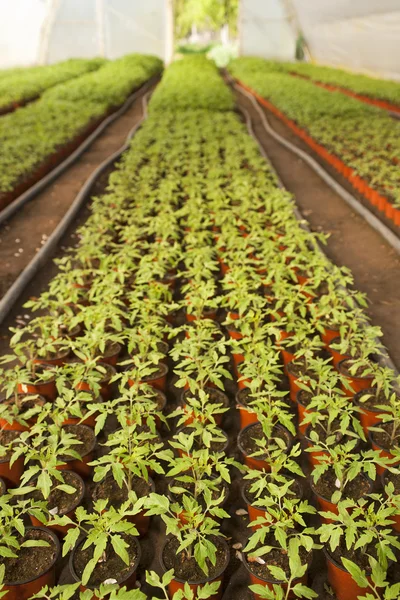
x: 196, y: 342
x: 23, y: 85
x: 31, y: 135
x: 192, y: 82
x: 362, y: 136
x: 364, y: 85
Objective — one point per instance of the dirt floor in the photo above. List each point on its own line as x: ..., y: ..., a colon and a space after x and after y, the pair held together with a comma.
x: 22, y: 236
x: 352, y: 242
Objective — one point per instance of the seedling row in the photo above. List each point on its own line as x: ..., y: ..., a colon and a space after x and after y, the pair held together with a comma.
x: 197, y: 368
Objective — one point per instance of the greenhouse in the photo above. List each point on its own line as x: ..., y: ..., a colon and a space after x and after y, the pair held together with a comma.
x: 199, y: 300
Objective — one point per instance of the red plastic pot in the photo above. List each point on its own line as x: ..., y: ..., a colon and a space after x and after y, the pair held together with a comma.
x: 247, y: 416
x: 369, y: 417
x: 326, y: 505
x: 105, y: 386
x: 113, y: 358
x: 336, y: 356
x: 302, y: 413
x: 357, y: 384
x: 15, y: 425
x: 54, y: 362
x: 258, y: 463
x: 209, y: 390
x: 157, y: 381
x: 383, y: 452
x: 179, y: 584
x: 62, y: 530
x: 81, y: 467
x: 11, y: 475
x: 269, y: 583
x: 294, y: 388
x: 46, y: 388
x: 25, y: 589
x: 341, y: 581
x: 128, y: 580
x: 329, y: 335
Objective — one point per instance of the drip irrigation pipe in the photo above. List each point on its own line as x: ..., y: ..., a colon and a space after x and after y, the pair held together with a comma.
x: 371, y: 219
x: 33, y: 191
x: 384, y: 357
x: 44, y: 254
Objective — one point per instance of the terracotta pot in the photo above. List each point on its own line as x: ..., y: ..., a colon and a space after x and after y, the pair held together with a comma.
x: 369, y: 416
x: 62, y: 530
x: 269, y: 583
x: 179, y: 584
x: 46, y: 388
x: 25, y: 589
x: 383, y: 452
x: 258, y: 463
x: 247, y: 416
x: 357, y: 383
x: 128, y: 580
x: 341, y: 581
x: 81, y: 467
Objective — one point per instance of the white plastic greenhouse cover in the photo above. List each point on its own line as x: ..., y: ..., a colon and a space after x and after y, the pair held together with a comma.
x: 361, y: 35
x: 47, y: 31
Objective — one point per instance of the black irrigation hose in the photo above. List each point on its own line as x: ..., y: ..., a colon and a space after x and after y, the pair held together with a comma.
x: 384, y: 357
x: 368, y: 216
x: 8, y: 300
x: 33, y: 191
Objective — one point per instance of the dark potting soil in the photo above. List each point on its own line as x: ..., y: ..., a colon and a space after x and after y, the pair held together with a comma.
x: 305, y: 398
x: 31, y: 562
x: 276, y: 558
x: 110, y: 490
x: 6, y: 437
x: 188, y: 569
x: 354, y: 490
x: 369, y: 399
x: 322, y: 434
x: 249, y: 436
x: 295, y: 492
x: 345, y: 370
x: 359, y: 556
x: 160, y: 372
x: 85, y: 435
x: 24, y: 405
x: 61, y: 500
x: 395, y: 479
x: 113, y: 567
x: 111, y: 349
x: 382, y: 438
